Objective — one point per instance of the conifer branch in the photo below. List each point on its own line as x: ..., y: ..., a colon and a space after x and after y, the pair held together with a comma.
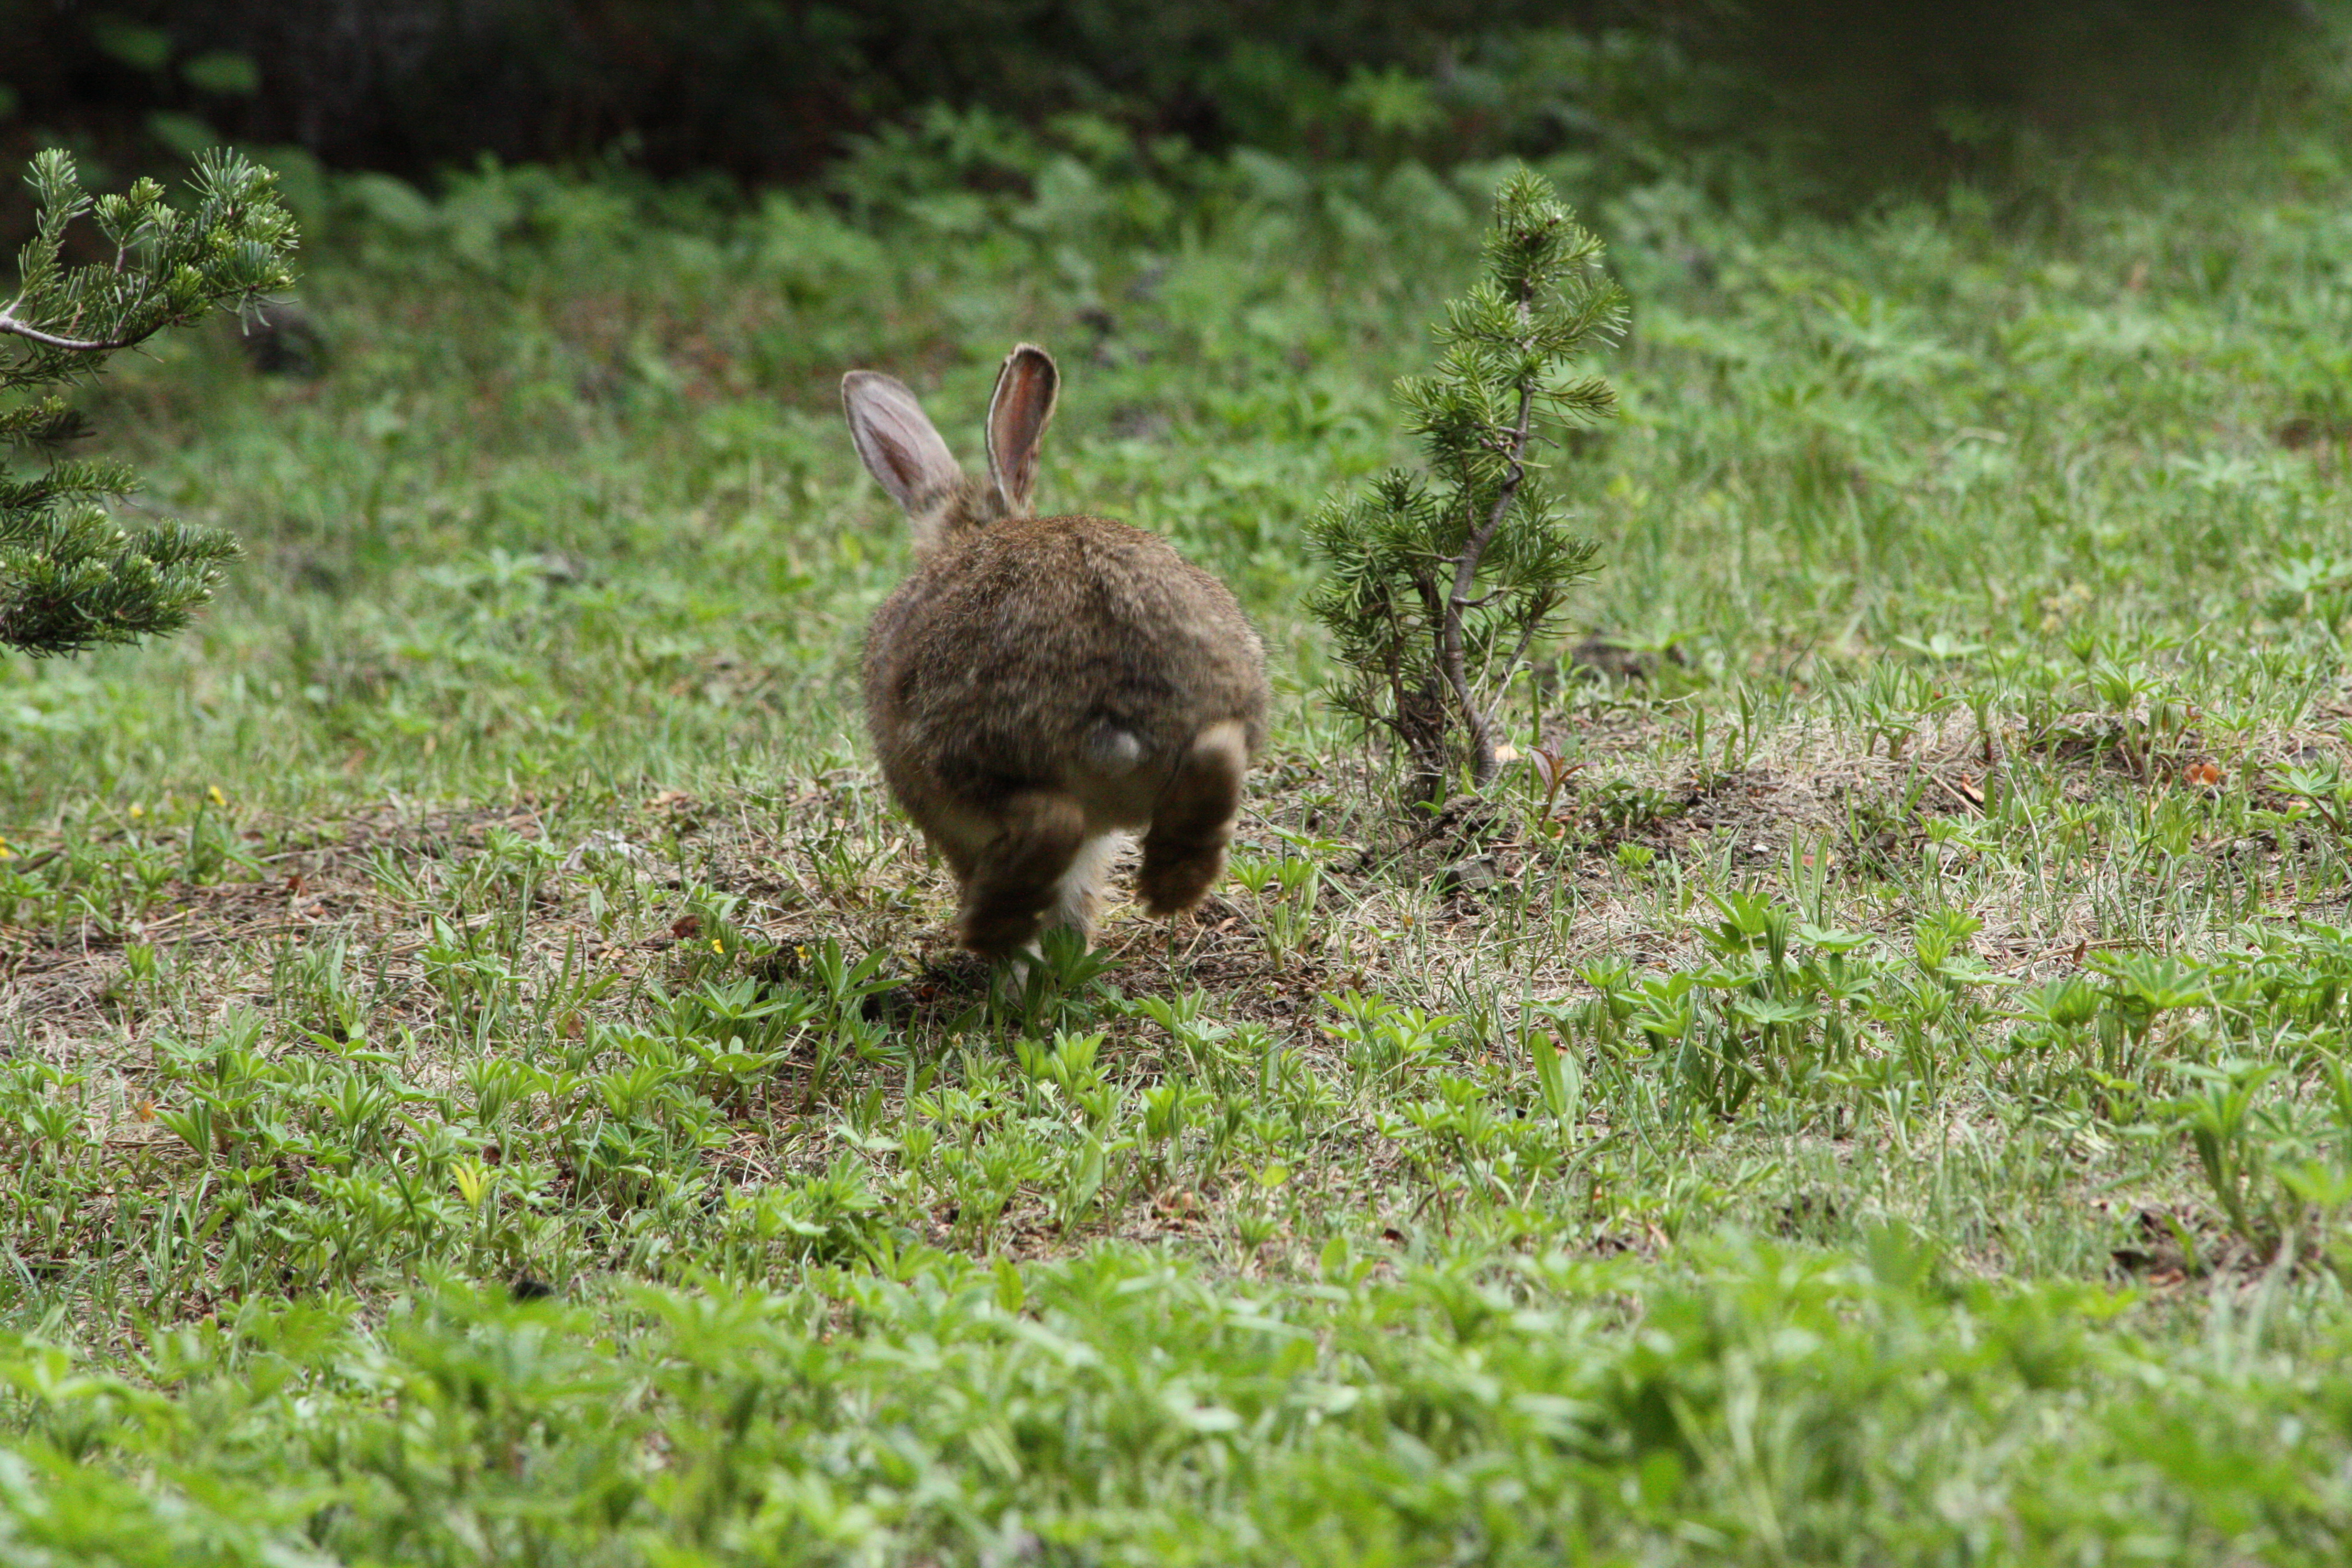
x: 70, y: 576
x: 1425, y: 594
x: 10, y: 324
x: 1465, y: 576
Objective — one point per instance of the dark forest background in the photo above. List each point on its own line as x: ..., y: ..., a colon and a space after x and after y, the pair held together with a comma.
x: 1848, y: 94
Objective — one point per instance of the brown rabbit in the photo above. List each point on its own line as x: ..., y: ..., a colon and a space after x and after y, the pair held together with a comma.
x: 1041, y: 684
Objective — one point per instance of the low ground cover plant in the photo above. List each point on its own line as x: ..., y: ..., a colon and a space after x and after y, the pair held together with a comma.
x: 487, y: 1076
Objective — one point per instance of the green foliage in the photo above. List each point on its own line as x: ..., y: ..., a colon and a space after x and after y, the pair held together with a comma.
x: 1438, y: 585
x: 70, y: 577
x: 1130, y: 1408
x: 1888, y: 1100
x: 1855, y: 95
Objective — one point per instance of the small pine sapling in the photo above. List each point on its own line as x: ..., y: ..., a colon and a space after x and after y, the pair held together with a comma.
x: 70, y: 577
x: 1438, y: 583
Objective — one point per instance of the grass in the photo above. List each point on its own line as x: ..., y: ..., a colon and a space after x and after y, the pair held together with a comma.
x: 486, y: 1080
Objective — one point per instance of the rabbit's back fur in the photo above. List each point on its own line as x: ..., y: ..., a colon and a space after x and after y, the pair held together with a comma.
x: 1039, y: 685
x: 1072, y: 653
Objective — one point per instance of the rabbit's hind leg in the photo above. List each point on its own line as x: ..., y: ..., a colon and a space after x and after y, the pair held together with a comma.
x: 1077, y: 897
x: 1185, y: 849
x: 1022, y: 871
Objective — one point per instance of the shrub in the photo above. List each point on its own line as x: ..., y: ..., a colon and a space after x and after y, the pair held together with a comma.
x: 70, y: 577
x: 1440, y: 581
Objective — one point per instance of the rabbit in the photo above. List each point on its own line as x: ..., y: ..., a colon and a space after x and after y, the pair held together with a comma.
x: 1039, y: 686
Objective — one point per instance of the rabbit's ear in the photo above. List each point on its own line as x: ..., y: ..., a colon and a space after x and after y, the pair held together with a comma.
x: 1017, y: 414
x: 897, y: 442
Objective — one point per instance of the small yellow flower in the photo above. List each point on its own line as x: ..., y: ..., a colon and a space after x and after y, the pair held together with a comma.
x: 218, y: 798
x: 6, y: 853
x: 717, y: 946
x: 137, y: 811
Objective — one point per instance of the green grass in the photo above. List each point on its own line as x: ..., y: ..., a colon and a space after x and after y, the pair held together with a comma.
x: 485, y: 1078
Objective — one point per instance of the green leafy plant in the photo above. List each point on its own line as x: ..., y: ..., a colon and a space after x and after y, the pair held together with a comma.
x: 1439, y: 583
x: 433, y: 1191
x: 70, y: 577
